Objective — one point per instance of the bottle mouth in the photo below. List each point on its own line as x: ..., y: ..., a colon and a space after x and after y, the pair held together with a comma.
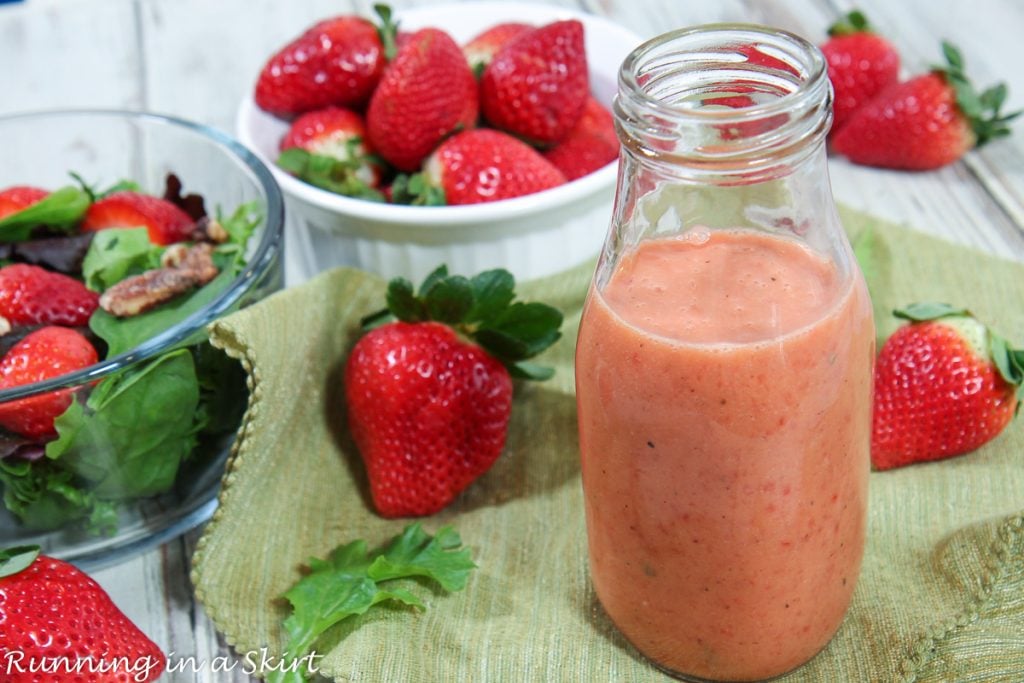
x: 724, y: 96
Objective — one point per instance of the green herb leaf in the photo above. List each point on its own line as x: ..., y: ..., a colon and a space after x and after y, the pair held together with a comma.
x: 348, y: 582
x: 117, y: 253
x: 134, y: 431
x: 19, y: 558
x: 59, y: 210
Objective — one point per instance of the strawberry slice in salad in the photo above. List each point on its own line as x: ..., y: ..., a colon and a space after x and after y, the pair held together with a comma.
x: 86, y: 276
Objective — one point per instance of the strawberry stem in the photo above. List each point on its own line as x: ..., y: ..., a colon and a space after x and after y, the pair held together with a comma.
x: 482, y: 308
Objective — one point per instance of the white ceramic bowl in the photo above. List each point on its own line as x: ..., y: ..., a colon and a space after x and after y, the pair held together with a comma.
x: 532, y: 236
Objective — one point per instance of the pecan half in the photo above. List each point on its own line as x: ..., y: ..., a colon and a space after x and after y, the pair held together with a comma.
x: 182, y: 270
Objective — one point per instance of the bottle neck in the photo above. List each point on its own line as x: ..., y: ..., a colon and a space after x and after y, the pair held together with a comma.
x: 724, y: 104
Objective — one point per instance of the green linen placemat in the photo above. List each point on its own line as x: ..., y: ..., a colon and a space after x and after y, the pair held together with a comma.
x: 940, y: 599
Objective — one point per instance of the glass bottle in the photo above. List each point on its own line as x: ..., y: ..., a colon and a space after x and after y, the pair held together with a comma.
x: 724, y: 363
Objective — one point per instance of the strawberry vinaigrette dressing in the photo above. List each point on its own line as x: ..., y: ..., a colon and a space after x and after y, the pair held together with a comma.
x: 724, y: 389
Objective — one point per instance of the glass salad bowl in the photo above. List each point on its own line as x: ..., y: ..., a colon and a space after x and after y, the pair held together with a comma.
x: 106, y: 457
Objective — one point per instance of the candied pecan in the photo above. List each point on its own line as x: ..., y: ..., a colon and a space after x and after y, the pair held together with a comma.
x: 182, y: 269
x: 210, y: 230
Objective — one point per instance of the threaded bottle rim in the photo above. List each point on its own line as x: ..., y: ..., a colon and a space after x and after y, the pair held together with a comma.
x: 724, y: 98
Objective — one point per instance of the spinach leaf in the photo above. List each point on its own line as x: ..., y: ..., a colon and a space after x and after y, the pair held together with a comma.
x: 134, y: 430
x: 61, y: 209
x: 223, y: 394
x: 116, y: 253
x: 45, y: 497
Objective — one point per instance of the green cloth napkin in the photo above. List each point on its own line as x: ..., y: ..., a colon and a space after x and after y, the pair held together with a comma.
x: 941, y: 596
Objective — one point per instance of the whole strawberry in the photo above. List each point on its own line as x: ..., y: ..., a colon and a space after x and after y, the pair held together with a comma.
x: 328, y: 148
x: 926, y: 122
x: 479, y: 165
x: 335, y: 62
x: 537, y: 86
x: 590, y: 145
x: 861, y: 64
x: 429, y: 396
x: 43, y: 354
x: 481, y: 49
x: 30, y: 295
x: 56, y: 619
x: 165, y: 222
x: 426, y: 93
x: 944, y: 385
x: 19, y: 197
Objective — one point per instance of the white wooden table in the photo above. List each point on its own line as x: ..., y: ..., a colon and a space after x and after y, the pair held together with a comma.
x: 196, y: 59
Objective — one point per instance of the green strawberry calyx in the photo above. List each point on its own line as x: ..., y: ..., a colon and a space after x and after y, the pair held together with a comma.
x: 483, y: 309
x: 983, y: 111
x: 17, y: 559
x: 1009, y: 361
x: 853, y: 22
x: 340, y: 176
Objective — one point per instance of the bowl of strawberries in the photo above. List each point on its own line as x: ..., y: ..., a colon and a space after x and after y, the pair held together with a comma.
x: 474, y: 134
x: 122, y: 236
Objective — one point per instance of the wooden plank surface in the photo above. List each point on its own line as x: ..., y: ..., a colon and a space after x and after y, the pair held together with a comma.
x: 196, y: 59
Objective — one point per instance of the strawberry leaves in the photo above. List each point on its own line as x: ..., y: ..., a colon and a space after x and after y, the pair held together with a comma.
x: 483, y: 309
x: 14, y: 560
x: 330, y: 173
x: 982, y: 110
x: 1007, y: 360
x: 854, y: 22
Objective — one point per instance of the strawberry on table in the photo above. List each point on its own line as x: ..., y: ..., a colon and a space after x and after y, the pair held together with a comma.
x: 590, y: 145
x: 944, y: 386
x: 427, y: 92
x: 55, y: 615
x: 338, y: 61
x: 30, y: 295
x: 165, y: 222
x: 480, y: 50
x: 537, y: 86
x: 43, y: 354
x: 429, y: 395
x: 926, y: 122
x: 19, y: 197
x: 861, y: 64
x: 328, y: 148
x: 479, y: 165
